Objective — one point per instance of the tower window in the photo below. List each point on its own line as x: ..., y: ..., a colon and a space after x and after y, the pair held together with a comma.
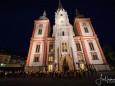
x: 36, y: 58
x: 40, y: 31
x: 86, y: 29
x: 37, y: 48
x: 63, y: 33
x: 91, y: 46
x: 94, y: 56
x: 51, y: 48
x: 78, y: 46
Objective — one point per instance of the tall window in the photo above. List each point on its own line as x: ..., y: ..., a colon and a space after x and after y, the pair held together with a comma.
x: 50, y: 58
x: 37, y: 48
x: 94, y: 56
x: 50, y: 68
x: 63, y: 33
x: 91, y: 46
x: 86, y: 29
x: 64, y: 47
x: 78, y: 46
x: 51, y: 48
x: 80, y: 57
x: 40, y: 29
x: 36, y: 58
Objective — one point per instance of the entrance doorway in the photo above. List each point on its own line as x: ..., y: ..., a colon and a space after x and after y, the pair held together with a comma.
x: 65, y: 65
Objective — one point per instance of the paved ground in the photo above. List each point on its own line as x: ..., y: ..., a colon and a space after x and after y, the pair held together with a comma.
x: 47, y: 82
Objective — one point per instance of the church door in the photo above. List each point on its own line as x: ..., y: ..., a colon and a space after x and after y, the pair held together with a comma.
x: 65, y: 65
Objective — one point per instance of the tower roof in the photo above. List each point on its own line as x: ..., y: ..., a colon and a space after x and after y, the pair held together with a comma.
x: 44, y: 16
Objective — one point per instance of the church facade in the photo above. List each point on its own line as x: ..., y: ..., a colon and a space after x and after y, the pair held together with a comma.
x: 64, y: 47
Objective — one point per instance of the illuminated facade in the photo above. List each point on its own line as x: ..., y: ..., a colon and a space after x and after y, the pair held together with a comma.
x: 67, y: 48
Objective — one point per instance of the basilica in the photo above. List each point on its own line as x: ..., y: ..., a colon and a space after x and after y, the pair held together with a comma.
x: 64, y: 47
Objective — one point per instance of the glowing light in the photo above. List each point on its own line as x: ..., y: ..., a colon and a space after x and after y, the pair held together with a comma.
x: 50, y: 68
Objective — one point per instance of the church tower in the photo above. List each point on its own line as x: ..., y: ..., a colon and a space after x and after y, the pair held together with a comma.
x: 88, y: 47
x: 65, y: 48
x: 38, y: 44
x: 68, y: 48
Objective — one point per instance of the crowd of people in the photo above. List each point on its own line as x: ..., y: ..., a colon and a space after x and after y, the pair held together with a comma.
x: 65, y: 74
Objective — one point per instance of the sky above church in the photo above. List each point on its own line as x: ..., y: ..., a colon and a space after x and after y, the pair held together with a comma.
x: 17, y: 16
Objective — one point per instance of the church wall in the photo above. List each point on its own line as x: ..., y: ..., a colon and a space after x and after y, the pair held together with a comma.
x: 99, y: 61
x: 33, y: 53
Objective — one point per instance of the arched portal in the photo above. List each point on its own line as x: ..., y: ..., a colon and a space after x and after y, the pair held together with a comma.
x: 65, y: 66
x: 66, y: 63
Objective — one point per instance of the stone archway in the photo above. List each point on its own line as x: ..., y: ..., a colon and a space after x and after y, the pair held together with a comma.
x: 66, y: 63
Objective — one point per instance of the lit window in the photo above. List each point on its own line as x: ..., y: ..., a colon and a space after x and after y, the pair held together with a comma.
x: 82, y: 66
x: 50, y: 58
x: 50, y: 68
x: 78, y: 46
x: 36, y: 58
x: 37, y: 48
x: 91, y: 46
x: 94, y: 56
x: 80, y: 57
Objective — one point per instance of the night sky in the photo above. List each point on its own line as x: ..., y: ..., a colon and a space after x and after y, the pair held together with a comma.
x: 17, y: 16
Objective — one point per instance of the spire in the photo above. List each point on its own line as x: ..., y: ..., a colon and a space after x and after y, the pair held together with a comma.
x: 44, y: 13
x: 44, y: 16
x: 60, y: 5
x: 78, y: 14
